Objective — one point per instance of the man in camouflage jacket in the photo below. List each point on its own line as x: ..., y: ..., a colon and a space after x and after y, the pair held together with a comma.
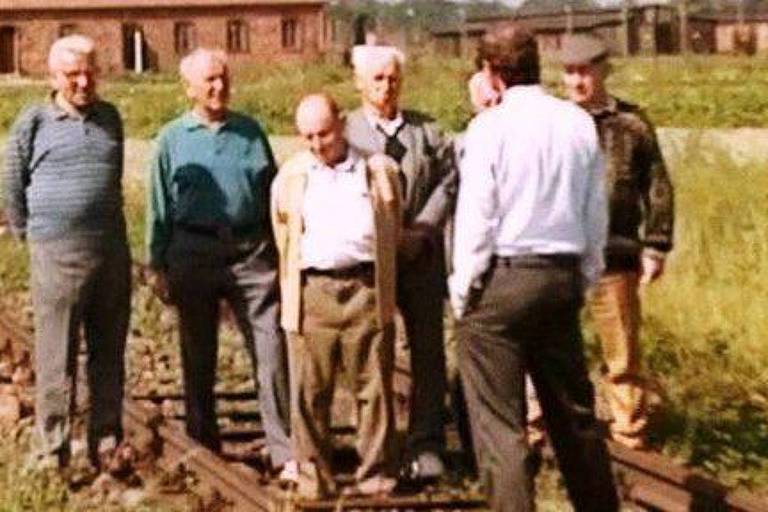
x: 641, y: 210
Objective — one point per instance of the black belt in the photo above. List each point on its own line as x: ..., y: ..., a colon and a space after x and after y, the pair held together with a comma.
x: 364, y: 269
x: 222, y: 232
x: 559, y: 260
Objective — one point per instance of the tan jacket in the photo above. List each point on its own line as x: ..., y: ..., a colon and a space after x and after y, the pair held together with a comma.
x: 287, y: 220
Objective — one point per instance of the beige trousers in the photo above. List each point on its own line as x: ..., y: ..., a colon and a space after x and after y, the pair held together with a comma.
x: 615, y: 310
x: 614, y: 307
x: 340, y: 334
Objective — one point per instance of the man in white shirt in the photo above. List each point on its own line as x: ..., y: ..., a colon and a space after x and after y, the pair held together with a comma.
x: 531, y: 225
x: 336, y: 218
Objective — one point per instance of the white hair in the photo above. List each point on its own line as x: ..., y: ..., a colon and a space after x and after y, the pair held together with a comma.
x: 368, y: 58
x: 70, y: 47
x: 191, y: 62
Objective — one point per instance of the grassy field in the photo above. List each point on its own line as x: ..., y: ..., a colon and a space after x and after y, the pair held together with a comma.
x: 711, y: 91
x: 704, y: 322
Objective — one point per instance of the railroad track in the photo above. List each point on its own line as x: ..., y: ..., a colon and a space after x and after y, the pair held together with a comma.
x: 647, y: 481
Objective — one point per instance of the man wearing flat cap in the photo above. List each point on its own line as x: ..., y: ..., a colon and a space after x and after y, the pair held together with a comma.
x: 428, y: 179
x: 641, y: 212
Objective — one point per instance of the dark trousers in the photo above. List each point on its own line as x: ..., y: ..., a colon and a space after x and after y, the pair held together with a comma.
x: 79, y: 283
x: 528, y: 317
x: 202, y: 271
x: 420, y: 288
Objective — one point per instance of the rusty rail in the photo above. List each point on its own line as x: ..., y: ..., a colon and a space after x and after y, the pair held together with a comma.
x: 647, y: 480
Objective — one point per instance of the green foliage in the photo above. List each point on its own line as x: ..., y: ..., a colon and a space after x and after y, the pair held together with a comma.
x: 699, y: 91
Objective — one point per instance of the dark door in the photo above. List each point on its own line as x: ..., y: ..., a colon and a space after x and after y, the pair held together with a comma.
x: 7, y: 50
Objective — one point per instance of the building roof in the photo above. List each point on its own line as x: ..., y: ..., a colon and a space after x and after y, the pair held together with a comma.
x: 40, y: 5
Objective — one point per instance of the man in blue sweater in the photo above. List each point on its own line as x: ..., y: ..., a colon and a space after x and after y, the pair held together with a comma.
x: 63, y: 196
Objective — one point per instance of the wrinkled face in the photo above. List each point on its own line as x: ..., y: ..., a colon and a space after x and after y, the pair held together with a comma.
x: 324, y: 133
x: 584, y: 82
x: 208, y: 86
x: 74, y: 79
x: 380, y: 86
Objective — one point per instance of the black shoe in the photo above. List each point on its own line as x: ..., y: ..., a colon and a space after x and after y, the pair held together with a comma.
x: 426, y: 468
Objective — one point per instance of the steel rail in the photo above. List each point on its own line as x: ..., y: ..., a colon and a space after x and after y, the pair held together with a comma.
x: 646, y: 479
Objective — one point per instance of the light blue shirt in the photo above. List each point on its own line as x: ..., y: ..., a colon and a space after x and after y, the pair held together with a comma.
x: 531, y: 182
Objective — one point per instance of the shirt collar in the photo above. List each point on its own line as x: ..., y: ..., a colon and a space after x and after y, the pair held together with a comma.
x: 610, y: 108
x: 390, y: 127
x: 522, y: 91
x: 349, y: 164
x: 191, y: 121
x: 59, y: 113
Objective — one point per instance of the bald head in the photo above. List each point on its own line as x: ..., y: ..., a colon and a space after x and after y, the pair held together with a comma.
x: 319, y: 122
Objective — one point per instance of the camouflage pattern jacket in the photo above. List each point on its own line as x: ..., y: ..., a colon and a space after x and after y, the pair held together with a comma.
x: 640, y: 193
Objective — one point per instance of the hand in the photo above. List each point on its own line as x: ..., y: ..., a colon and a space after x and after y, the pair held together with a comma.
x: 158, y: 281
x: 652, y: 264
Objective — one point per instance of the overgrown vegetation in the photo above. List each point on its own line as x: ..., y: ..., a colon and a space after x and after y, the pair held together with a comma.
x: 711, y: 91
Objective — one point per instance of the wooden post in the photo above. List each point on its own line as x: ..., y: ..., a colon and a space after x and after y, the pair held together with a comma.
x: 682, y: 13
x: 625, y: 29
x: 569, y: 19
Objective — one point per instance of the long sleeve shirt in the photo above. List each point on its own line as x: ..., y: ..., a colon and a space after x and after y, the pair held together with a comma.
x: 63, y: 173
x: 531, y: 183
x: 209, y: 178
x: 640, y: 193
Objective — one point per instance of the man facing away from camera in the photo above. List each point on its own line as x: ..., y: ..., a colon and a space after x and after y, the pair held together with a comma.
x: 209, y: 238
x: 531, y: 224
x: 63, y: 196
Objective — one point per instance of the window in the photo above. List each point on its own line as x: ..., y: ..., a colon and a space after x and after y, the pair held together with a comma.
x: 184, y: 37
x: 290, y: 33
x: 67, y: 29
x: 237, y: 37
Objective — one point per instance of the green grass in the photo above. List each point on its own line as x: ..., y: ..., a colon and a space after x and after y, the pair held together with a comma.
x: 698, y: 91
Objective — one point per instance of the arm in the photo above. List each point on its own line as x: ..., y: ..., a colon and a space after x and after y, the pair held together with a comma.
x: 18, y: 156
x: 159, y: 206
x: 441, y: 202
x: 476, y: 218
x: 658, y: 198
x: 595, y: 215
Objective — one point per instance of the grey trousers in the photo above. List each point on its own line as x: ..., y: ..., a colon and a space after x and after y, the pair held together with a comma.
x: 202, y: 271
x: 79, y: 283
x: 528, y: 318
x: 420, y: 294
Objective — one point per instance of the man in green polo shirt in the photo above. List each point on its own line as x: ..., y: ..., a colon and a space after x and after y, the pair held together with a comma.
x: 209, y: 238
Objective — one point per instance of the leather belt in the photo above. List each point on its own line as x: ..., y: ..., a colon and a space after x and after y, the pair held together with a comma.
x: 222, y: 232
x: 558, y: 260
x: 364, y: 269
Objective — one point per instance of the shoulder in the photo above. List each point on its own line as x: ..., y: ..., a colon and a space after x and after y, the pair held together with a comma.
x: 247, y: 122
x: 107, y: 109
x: 633, y: 117
x: 171, y: 130
x: 30, y: 115
x: 296, y: 165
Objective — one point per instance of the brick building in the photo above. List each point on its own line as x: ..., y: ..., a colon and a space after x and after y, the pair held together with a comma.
x: 152, y: 35
x: 644, y: 28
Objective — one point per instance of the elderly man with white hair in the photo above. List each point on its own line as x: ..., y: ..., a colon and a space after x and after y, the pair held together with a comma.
x: 63, y: 195
x: 209, y: 238
x: 429, y: 179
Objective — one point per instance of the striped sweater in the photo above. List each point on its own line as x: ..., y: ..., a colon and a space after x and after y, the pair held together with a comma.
x: 63, y: 173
